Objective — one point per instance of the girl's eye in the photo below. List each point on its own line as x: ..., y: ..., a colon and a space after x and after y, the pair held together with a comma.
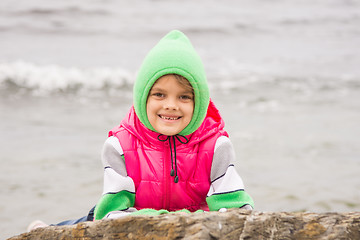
x: 158, y: 95
x: 186, y: 97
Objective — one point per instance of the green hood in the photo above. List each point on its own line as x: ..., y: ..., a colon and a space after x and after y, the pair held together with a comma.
x: 174, y: 54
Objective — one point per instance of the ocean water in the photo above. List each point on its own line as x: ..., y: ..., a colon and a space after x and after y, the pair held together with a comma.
x: 284, y: 74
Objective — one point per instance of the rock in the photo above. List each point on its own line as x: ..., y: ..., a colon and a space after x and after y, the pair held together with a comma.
x: 233, y: 224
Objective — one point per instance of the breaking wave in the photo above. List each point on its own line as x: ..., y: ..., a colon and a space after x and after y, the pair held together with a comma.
x: 42, y: 80
x: 49, y: 79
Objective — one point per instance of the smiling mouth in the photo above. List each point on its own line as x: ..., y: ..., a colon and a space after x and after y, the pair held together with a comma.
x: 169, y: 118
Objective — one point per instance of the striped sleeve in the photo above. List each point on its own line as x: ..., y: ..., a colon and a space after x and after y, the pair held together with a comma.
x: 119, y: 189
x: 227, y: 188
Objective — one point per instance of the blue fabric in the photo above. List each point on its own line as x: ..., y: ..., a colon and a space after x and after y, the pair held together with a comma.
x: 71, y: 222
x: 89, y: 217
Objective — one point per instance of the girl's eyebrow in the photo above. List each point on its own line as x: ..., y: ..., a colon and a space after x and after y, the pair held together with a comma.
x: 187, y: 92
x: 157, y: 89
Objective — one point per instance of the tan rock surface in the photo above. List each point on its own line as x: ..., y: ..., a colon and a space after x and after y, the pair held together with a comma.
x: 233, y: 224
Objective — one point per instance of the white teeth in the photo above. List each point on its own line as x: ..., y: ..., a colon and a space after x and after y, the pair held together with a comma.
x: 169, y: 118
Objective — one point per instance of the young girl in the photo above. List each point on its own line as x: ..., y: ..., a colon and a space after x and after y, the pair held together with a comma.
x: 171, y: 151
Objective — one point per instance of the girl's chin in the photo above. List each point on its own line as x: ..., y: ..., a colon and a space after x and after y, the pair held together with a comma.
x: 168, y: 131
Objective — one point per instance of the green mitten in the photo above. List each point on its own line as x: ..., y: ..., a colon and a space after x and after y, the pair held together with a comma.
x: 153, y: 212
x: 149, y: 211
x: 182, y: 211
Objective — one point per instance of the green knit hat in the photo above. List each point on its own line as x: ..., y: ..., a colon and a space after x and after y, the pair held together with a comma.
x: 174, y: 54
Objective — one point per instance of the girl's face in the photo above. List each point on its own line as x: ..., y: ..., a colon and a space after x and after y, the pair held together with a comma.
x: 170, y: 106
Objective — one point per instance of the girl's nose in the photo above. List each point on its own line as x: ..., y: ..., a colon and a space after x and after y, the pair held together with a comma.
x: 171, y: 104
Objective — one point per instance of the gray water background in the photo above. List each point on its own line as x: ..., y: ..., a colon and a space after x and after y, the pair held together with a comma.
x: 284, y: 74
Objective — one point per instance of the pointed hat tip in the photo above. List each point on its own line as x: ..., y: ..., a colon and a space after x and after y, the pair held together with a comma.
x: 175, y: 34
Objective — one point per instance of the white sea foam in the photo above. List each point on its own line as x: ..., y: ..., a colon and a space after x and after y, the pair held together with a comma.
x: 52, y: 78
x: 42, y: 80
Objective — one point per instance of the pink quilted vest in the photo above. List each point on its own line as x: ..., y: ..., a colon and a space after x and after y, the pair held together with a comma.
x: 149, y: 160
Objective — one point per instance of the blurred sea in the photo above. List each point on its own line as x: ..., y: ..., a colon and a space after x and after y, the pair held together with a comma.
x: 284, y: 74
